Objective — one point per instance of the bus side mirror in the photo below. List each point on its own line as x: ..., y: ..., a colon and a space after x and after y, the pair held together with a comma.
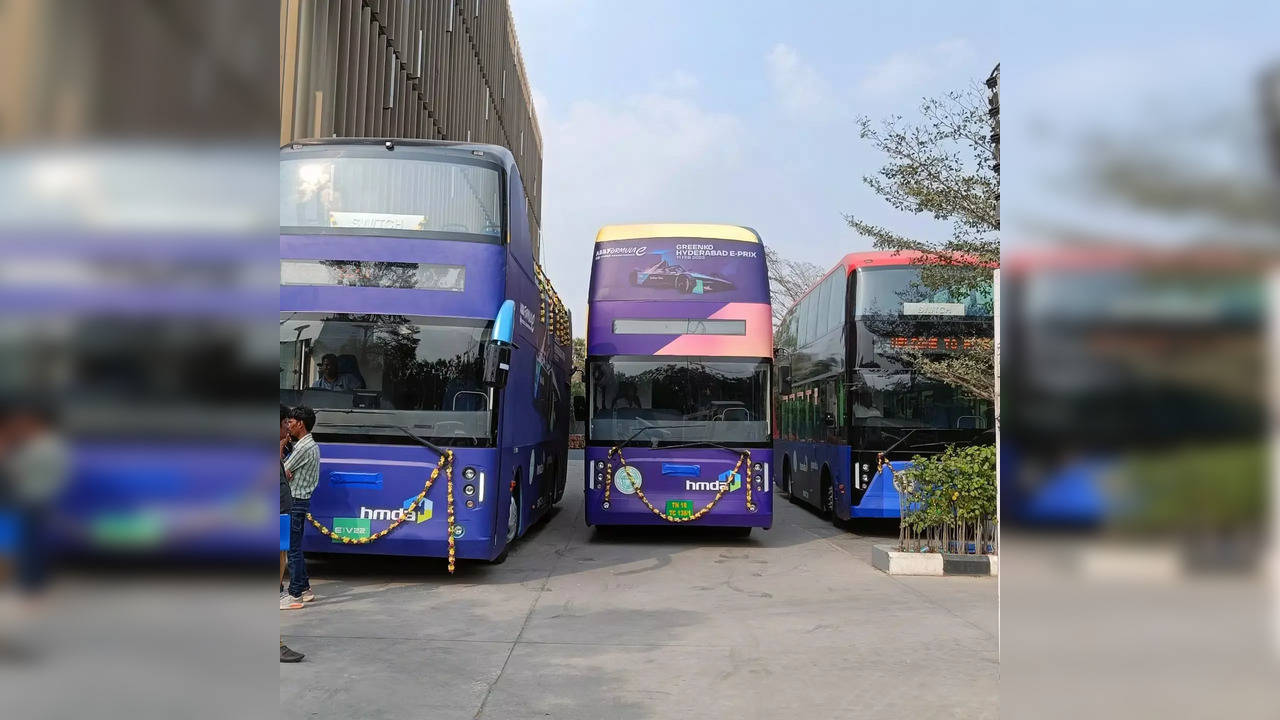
x: 579, y: 408
x: 497, y: 351
x: 497, y: 363
x: 784, y: 379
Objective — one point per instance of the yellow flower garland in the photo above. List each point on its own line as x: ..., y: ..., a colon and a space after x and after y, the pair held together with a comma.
x: 745, y: 456
x: 446, y: 462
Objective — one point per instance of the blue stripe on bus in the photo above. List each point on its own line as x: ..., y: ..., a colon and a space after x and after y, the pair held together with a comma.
x: 681, y: 470
x: 369, y: 480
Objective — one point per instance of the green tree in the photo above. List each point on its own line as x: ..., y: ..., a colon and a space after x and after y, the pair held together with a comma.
x: 576, y: 386
x: 944, y: 164
x: 788, y: 282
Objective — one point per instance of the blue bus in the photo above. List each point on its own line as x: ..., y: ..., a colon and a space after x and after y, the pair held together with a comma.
x: 416, y: 321
x: 851, y: 410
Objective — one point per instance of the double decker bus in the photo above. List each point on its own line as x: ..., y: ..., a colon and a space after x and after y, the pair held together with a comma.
x: 418, y: 325
x: 852, y: 410
x: 679, y: 358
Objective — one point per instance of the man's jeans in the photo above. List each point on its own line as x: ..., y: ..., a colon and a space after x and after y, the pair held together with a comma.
x: 298, y: 580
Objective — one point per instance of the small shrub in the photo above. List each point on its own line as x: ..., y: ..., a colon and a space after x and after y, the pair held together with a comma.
x: 949, y: 500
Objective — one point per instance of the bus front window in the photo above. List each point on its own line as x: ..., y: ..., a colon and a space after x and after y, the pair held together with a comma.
x: 369, y: 375
x: 899, y: 291
x: 911, y: 400
x: 321, y: 192
x: 677, y: 400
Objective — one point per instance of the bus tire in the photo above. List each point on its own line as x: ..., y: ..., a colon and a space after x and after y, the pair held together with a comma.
x: 557, y: 483
x: 513, y: 529
x: 740, y: 532
x: 828, y: 497
x: 787, y: 481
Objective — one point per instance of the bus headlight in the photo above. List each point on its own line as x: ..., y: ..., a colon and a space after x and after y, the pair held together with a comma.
x: 457, y: 531
x: 471, y: 504
x: 469, y: 474
x: 599, y: 477
x: 600, y: 465
x: 757, y: 468
x: 469, y: 490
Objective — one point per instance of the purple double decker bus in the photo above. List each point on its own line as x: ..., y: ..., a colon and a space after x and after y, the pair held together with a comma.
x: 417, y: 323
x: 679, y: 353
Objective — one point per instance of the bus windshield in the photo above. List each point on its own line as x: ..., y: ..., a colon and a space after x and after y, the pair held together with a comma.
x: 682, y: 399
x: 391, y: 196
x: 898, y: 291
x: 367, y: 376
x: 912, y: 400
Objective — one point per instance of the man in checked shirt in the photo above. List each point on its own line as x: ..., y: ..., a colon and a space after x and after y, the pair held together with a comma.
x: 302, y: 467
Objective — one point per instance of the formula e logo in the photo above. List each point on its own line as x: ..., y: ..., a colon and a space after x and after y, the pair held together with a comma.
x: 422, y: 514
x: 621, y: 251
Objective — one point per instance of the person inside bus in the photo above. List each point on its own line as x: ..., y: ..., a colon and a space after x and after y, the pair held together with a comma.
x: 333, y: 377
x: 628, y: 397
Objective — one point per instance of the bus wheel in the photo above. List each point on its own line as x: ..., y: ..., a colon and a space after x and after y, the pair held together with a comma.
x: 828, y: 496
x: 740, y: 532
x: 557, y: 489
x: 513, y: 521
x: 786, y: 481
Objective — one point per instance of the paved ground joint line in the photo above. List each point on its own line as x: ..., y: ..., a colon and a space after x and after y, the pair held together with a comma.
x: 532, y: 606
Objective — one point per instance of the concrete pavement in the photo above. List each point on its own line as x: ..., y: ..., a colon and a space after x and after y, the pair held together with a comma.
x: 644, y: 623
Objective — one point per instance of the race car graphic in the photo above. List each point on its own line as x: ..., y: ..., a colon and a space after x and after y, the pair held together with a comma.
x: 667, y: 274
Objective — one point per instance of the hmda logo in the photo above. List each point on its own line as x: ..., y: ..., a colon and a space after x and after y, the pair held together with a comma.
x: 728, y: 478
x: 422, y: 514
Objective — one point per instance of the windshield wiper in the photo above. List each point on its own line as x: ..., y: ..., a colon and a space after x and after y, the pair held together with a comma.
x: 425, y: 442
x: 654, y: 442
x: 706, y: 443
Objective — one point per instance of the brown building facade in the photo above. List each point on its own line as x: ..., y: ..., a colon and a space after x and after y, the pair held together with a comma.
x: 434, y: 69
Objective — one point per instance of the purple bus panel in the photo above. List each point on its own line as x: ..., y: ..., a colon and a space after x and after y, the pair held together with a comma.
x: 678, y: 482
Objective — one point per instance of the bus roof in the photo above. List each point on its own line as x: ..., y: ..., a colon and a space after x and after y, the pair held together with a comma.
x: 866, y: 258
x: 609, y: 233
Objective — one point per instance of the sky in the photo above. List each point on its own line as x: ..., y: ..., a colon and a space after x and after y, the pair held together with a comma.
x: 1174, y: 80
x: 730, y: 112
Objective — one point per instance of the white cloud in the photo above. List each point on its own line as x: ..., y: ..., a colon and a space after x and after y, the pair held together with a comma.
x: 799, y: 88
x: 651, y: 157
x: 905, y: 71
x: 678, y: 82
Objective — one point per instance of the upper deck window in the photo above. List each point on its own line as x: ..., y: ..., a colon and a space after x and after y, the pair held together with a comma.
x: 898, y: 291
x: 392, y: 195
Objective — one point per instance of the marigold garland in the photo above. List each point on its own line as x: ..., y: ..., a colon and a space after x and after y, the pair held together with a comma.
x: 446, y: 462
x: 743, y: 457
